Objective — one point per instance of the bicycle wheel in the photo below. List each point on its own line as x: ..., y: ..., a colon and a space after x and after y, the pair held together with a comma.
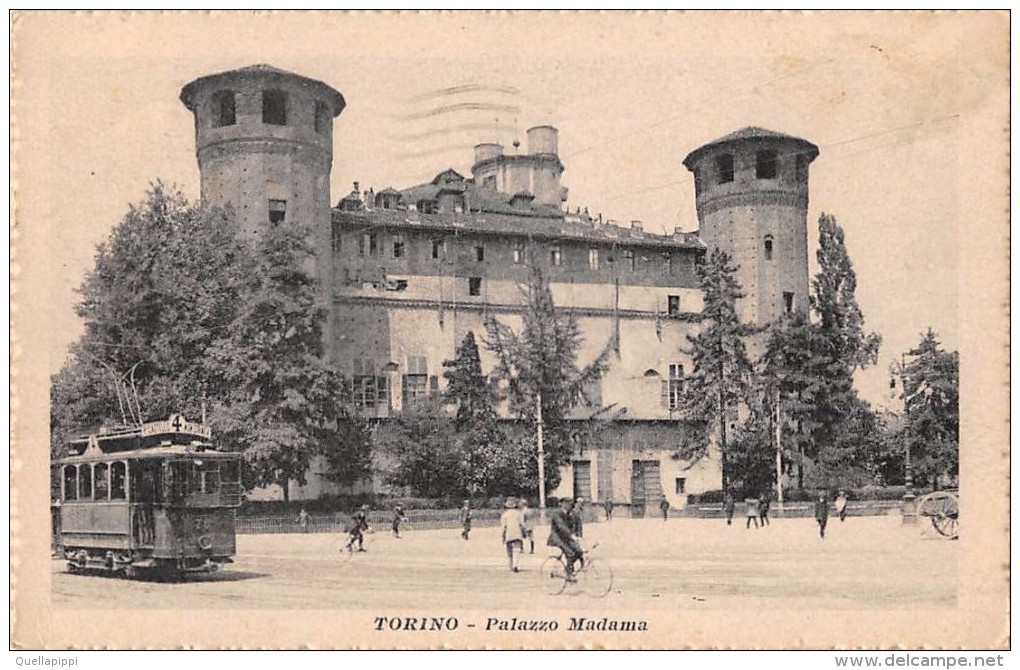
x: 597, y: 577
x: 553, y: 574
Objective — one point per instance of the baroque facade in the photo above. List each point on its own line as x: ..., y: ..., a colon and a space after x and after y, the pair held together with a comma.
x: 407, y: 272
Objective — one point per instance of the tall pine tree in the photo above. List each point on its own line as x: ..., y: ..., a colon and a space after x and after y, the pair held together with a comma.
x: 722, y: 381
x: 541, y: 362
x: 931, y: 390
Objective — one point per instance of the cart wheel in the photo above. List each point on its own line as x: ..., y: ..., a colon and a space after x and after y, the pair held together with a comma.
x: 943, y: 508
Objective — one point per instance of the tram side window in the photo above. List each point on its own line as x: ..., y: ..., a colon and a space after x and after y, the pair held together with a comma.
x: 118, y: 476
x: 70, y: 482
x: 85, y: 481
x: 177, y: 480
x: 102, y: 477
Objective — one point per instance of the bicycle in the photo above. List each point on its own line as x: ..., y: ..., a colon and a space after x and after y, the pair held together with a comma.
x: 345, y: 547
x: 594, y: 574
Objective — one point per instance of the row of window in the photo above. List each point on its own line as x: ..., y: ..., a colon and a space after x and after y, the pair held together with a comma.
x: 371, y: 391
x: 582, y: 482
x: 109, y: 481
x: 105, y: 481
x: 275, y: 105
x: 369, y: 246
x: 766, y: 166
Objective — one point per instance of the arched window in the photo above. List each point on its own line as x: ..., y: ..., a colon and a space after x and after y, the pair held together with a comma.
x: 274, y: 107
x: 118, y: 480
x: 102, y: 479
x: 224, y: 111
x: 724, y: 168
x: 768, y: 247
x: 85, y: 482
x: 70, y: 482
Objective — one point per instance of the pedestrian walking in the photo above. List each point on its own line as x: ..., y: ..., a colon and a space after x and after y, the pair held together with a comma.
x: 302, y: 520
x: 664, y: 508
x: 752, y: 511
x: 357, y: 529
x: 512, y: 531
x: 398, y: 518
x: 728, y: 508
x: 576, y: 517
x: 528, y: 517
x: 609, y: 509
x: 465, y: 520
x: 763, y: 508
x: 822, y: 514
x: 841, y: 501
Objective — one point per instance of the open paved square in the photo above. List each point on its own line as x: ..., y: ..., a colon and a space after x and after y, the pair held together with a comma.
x: 863, y: 563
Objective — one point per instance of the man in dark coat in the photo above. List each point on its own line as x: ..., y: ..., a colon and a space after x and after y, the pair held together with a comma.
x: 822, y: 514
x: 562, y: 536
x: 576, y: 518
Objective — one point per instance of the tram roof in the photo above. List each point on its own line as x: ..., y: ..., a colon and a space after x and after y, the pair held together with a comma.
x: 197, y: 451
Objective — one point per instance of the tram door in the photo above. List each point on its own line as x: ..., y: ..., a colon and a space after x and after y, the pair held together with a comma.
x: 146, y: 483
x: 645, y: 487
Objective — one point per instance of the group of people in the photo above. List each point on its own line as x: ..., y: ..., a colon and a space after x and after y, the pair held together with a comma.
x: 517, y: 524
x: 757, y: 510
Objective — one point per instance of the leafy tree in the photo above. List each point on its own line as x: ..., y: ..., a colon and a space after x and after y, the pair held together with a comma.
x: 931, y: 391
x: 834, y: 301
x: 492, y: 463
x: 165, y: 287
x: 751, y: 456
x: 541, y: 362
x: 279, y: 398
x: 722, y: 381
x: 418, y: 444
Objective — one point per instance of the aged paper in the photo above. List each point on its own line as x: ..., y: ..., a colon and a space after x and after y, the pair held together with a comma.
x: 910, y: 111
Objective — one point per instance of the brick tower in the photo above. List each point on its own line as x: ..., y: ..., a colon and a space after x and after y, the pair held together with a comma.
x: 752, y: 200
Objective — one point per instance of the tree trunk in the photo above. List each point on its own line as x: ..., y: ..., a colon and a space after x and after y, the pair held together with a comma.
x: 286, y: 489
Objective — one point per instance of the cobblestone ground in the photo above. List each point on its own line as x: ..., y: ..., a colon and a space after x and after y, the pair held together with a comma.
x: 865, y: 562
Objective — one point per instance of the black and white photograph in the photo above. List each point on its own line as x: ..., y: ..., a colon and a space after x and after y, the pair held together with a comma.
x: 518, y: 330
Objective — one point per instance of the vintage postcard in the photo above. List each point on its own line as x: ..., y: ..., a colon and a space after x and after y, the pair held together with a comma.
x: 523, y: 330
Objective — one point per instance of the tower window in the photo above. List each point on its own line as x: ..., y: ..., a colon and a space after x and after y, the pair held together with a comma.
x: 556, y: 255
x: 768, y: 247
x: 802, y: 167
x: 398, y: 246
x: 321, y: 117
x: 788, y: 301
x: 274, y: 107
x: 766, y: 164
x: 224, y: 108
x: 474, y: 285
x: 593, y: 259
x: 673, y: 304
x: 479, y: 253
x: 724, y: 168
x: 628, y: 258
x: 277, y: 211
x: 438, y: 248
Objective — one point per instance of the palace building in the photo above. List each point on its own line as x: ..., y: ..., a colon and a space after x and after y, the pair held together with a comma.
x: 407, y: 272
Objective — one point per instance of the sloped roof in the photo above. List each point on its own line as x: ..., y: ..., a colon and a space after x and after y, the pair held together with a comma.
x: 750, y: 133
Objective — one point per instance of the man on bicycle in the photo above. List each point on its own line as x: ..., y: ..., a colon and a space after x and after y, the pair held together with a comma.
x: 359, y: 524
x: 561, y: 536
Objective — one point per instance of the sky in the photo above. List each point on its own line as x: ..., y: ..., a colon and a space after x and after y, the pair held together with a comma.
x: 900, y: 106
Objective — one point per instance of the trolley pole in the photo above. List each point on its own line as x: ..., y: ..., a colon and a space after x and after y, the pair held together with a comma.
x: 909, y: 499
x: 541, y: 455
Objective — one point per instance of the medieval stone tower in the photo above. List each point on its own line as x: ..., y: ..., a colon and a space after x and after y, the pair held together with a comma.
x: 752, y: 198
x: 264, y: 140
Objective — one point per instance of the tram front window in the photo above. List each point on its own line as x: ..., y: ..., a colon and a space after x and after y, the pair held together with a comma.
x: 205, y: 477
